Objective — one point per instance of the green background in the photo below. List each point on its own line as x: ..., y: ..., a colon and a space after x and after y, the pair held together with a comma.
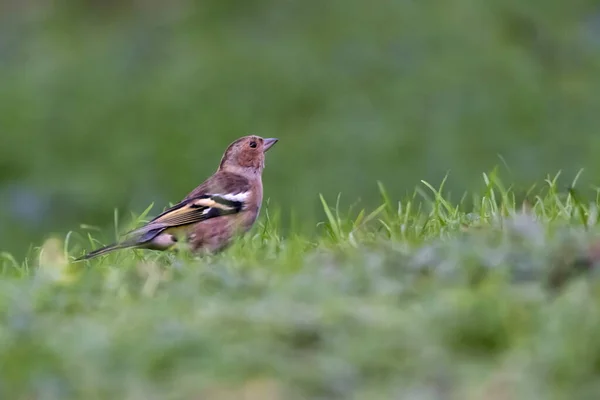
x: 117, y: 104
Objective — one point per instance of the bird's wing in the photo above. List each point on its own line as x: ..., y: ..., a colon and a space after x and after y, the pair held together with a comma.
x: 197, y: 209
x: 190, y: 211
x: 223, y: 193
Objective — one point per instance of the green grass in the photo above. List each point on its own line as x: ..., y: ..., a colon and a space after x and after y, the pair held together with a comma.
x: 489, y: 296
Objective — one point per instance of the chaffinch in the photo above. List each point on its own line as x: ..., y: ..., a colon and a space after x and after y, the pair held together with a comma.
x: 226, y: 204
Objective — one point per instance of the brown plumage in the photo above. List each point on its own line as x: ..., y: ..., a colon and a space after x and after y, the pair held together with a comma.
x: 226, y: 204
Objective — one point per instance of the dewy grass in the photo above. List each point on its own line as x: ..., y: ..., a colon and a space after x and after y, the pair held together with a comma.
x: 492, y: 296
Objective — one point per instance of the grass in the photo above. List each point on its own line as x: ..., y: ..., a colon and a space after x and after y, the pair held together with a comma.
x: 492, y: 296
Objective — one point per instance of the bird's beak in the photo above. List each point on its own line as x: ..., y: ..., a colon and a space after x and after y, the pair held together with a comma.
x: 268, y: 143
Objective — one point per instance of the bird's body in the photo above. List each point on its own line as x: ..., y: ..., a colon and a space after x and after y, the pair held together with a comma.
x: 226, y: 204
x: 212, y: 234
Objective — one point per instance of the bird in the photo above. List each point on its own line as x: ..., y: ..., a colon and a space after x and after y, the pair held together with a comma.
x: 226, y: 204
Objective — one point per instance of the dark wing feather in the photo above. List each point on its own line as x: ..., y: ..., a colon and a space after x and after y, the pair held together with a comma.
x: 187, y: 212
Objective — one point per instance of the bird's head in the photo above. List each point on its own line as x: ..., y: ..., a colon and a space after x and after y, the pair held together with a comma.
x: 246, y: 155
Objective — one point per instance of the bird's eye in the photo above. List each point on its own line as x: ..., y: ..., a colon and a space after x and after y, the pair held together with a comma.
x: 253, y: 145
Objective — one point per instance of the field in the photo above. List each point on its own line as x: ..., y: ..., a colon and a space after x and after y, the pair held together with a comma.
x: 491, y: 298
x: 385, y: 265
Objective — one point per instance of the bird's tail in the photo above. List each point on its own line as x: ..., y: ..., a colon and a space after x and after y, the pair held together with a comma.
x: 103, y: 250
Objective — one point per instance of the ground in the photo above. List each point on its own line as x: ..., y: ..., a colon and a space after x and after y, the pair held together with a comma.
x: 490, y: 298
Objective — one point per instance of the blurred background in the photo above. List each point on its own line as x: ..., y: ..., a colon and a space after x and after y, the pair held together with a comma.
x: 110, y: 104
